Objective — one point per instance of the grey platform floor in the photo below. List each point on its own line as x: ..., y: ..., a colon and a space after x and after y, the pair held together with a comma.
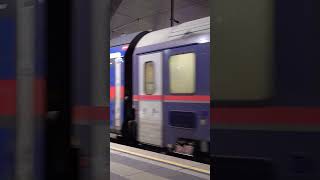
x: 124, y: 166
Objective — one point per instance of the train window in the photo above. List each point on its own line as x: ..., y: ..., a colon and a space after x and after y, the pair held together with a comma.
x: 243, y: 63
x: 149, y: 79
x: 182, y: 69
x: 182, y: 119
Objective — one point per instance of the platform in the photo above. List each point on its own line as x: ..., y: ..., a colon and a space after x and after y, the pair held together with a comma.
x: 137, y: 164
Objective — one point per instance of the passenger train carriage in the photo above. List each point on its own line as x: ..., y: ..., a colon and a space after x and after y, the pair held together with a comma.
x: 118, y: 52
x: 265, y: 89
x: 22, y: 76
x: 116, y: 85
x: 171, y: 89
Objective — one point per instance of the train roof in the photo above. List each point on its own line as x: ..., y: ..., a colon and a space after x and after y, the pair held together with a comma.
x: 196, y: 27
x: 123, y: 39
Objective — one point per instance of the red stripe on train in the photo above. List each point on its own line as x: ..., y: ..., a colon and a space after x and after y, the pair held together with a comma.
x: 187, y: 98
x: 113, y: 92
x: 263, y: 115
x: 90, y: 113
x: 8, y: 97
x: 171, y: 98
x: 147, y: 98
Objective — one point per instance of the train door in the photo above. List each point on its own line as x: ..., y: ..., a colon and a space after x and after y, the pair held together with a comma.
x: 118, y: 93
x: 116, y: 90
x: 187, y: 98
x: 112, y: 92
x: 150, y: 126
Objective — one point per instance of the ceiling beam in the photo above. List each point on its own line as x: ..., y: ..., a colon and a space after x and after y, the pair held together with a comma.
x: 114, y: 6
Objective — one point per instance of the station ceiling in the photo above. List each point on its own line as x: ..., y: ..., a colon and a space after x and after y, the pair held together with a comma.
x: 129, y: 16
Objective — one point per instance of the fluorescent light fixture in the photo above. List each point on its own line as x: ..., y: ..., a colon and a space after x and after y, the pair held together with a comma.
x: 115, y: 55
x: 203, y: 40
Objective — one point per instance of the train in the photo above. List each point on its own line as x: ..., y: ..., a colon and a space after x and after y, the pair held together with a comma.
x: 264, y: 90
x: 160, y: 87
x: 22, y: 75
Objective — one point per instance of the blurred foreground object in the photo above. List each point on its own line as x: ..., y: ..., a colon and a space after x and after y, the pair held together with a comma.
x: 265, y: 89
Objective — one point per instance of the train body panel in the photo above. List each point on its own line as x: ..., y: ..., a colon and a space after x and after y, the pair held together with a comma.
x: 8, y: 88
x: 176, y: 33
x: 21, y: 89
x: 187, y: 115
x: 7, y: 45
x: 278, y: 120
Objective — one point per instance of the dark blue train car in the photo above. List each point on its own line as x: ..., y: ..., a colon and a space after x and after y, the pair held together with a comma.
x: 22, y: 79
x: 265, y: 89
x: 8, y: 28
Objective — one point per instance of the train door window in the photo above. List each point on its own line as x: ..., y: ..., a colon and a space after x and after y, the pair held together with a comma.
x: 182, y: 70
x: 149, y: 78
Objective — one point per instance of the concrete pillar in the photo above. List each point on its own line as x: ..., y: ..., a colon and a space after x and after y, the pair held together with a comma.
x: 25, y: 74
x: 90, y: 83
x: 100, y: 88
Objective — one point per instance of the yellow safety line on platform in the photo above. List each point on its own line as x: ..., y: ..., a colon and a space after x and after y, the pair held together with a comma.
x: 163, y: 161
